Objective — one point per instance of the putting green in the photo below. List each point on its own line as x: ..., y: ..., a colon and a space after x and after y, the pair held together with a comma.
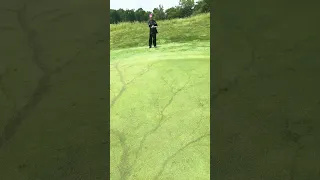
x: 160, y: 112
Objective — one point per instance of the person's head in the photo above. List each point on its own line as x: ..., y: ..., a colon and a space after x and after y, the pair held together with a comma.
x: 150, y: 16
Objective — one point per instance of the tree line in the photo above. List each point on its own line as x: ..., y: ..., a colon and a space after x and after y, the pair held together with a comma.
x: 185, y: 8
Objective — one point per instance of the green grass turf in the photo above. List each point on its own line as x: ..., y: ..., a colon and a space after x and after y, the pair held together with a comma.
x: 52, y: 114
x: 265, y: 105
x: 127, y: 35
x: 160, y: 106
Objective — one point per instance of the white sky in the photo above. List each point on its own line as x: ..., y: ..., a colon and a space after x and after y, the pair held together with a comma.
x: 147, y: 5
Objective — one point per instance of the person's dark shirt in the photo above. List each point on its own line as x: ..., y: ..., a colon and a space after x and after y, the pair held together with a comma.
x: 152, y: 23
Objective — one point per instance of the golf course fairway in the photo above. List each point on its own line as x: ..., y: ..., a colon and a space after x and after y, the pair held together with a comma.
x: 160, y: 117
x: 160, y: 100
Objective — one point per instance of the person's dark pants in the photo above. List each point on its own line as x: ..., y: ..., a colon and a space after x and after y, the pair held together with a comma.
x: 153, y: 38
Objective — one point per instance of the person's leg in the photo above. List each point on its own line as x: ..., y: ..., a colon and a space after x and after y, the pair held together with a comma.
x: 155, y: 40
x: 150, y: 40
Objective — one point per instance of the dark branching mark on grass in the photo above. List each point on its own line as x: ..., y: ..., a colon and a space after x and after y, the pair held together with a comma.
x: 123, y: 88
x: 167, y: 83
x: 61, y: 16
x: 10, y: 127
x: 7, y: 28
x: 167, y: 160
x: 2, y: 87
x: 42, y: 88
x: 1, y: 141
x: 235, y: 81
x: 198, y: 123
x: 43, y: 13
x: 43, y: 84
x: 254, y: 57
x: 68, y: 167
x: 113, y: 93
x: 173, y: 83
x: 4, y: 92
x: 123, y: 82
x: 67, y: 164
x: 123, y: 167
x: 290, y: 135
x: 142, y: 73
x: 30, y: 36
x: 120, y: 74
x: 297, y: 154
x: 9, y: 9
x: 160, y: 122
x: 294, y: 131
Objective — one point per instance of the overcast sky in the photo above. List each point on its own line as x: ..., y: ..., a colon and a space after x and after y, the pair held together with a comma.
x: 147, y: 5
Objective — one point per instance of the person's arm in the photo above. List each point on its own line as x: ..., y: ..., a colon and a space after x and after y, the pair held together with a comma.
x: 155, y: 24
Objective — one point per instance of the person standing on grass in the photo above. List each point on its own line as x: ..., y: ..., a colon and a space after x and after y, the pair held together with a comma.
x: 153, y: 32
